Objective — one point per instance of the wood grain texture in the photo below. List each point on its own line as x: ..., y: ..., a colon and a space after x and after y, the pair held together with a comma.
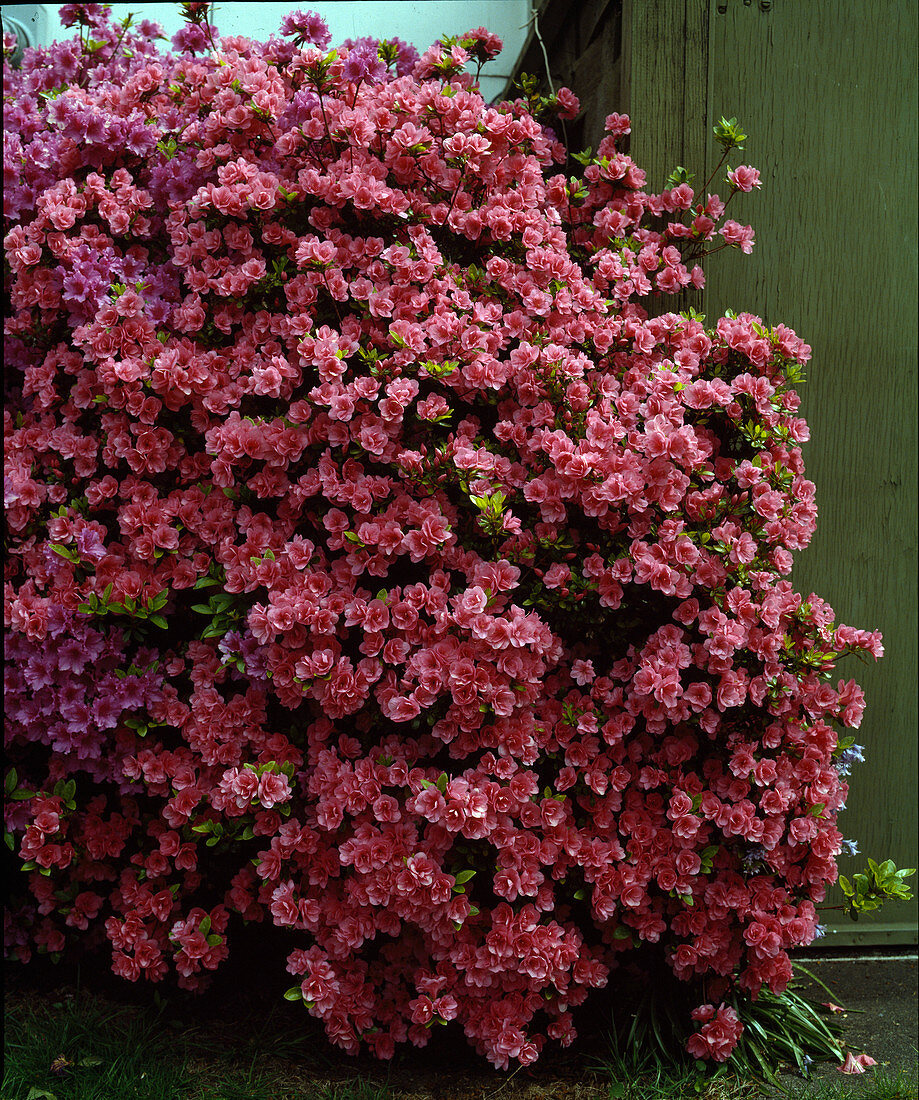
x: 666, y: 82
x: 584, y: 45
x: 596, y: 70
x: 827, y: 93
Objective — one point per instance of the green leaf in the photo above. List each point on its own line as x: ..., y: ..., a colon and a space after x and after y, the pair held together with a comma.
x: 464, y: 876
x: 213, y: 940
x: 728, y: 134
x: 159, y: 621
x: 11, y: 780
x: 205, y: 926
x: 677, y: 176
x: 295, y: 993
x: 441, y: 783
x: 21, y: 796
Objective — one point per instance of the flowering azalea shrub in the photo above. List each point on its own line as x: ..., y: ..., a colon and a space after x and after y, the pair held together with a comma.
x: 378, y: 569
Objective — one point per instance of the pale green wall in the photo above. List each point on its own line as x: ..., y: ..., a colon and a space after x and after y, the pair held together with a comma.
x: 419, y: 23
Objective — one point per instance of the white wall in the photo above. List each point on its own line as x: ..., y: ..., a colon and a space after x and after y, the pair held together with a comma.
x: 419, y: 22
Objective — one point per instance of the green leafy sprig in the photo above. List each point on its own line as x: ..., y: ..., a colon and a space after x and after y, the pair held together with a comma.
x: 868, y: 891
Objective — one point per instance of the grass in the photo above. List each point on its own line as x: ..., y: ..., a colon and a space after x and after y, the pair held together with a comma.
x: 646, y: 1060
x: 76, y: 1045
x: 647, y: 1078
x: 83, y: 1048
x: 354, y: 1090
x: 881, y: 1084
x: 80, y: 1046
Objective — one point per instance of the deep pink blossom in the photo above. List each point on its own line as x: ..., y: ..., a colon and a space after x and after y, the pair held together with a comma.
x: 378, y: 567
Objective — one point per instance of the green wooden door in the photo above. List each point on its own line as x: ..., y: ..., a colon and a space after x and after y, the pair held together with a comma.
x: 827, y: 93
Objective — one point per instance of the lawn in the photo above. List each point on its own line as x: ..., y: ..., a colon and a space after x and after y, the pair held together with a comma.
x: 76, y: 1045
x: 70, y: 1042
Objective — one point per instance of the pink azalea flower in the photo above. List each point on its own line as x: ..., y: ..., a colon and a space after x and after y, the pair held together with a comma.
x: 856, y: 1063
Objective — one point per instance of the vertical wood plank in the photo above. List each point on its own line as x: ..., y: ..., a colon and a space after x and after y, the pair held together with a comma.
x: 827, y: 93
x: 584, y: 45
x: 666, y: 70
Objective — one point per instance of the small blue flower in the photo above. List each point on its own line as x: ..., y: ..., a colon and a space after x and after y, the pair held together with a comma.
x: 855, y: 754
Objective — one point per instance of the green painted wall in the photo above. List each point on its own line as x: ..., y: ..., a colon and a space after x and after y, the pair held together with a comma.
x: 827, y: 93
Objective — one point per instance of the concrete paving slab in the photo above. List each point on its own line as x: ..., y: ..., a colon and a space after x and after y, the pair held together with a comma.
x: 880, y: 993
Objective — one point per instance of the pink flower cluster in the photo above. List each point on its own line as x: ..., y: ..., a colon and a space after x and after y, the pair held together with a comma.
x: 718, y: 1035
x: 377, y: 567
